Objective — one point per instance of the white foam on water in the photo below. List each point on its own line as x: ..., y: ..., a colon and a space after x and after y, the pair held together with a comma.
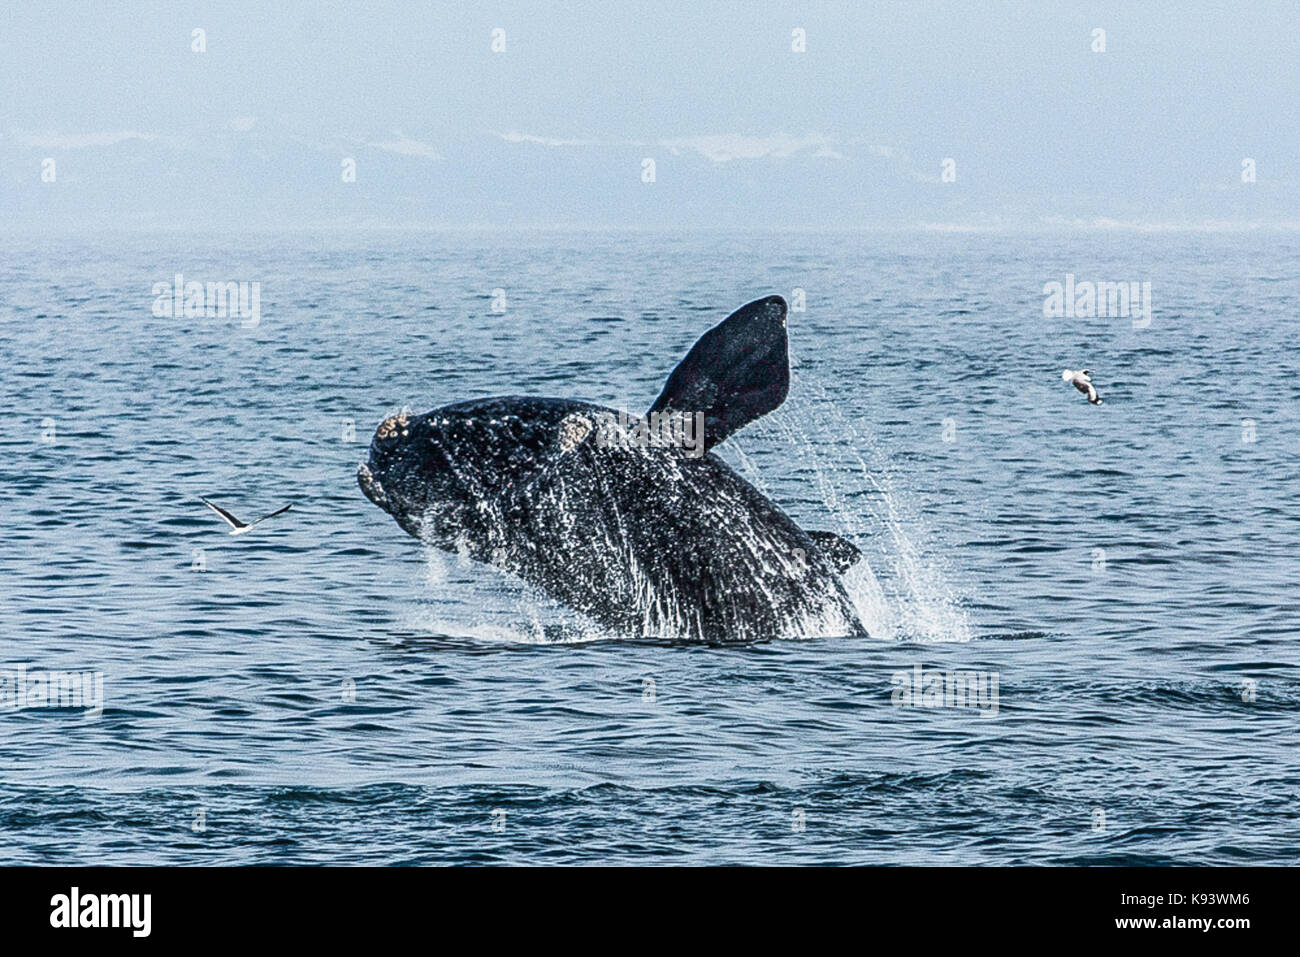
x: 481, y: 603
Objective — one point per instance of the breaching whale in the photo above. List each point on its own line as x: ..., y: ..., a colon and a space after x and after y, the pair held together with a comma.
x: 649, y: 538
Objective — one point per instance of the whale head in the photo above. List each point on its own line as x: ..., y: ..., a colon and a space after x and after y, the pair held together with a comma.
x: 441, y: 475
x: 413, y: 473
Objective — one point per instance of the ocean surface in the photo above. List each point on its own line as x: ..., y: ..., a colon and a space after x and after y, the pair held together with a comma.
x: 325, y: 690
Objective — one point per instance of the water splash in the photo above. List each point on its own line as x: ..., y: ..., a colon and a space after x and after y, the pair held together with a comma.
x: 901, y: 591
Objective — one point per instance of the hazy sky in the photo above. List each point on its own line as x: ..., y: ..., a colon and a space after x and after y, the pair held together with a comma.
x: 743, y: 131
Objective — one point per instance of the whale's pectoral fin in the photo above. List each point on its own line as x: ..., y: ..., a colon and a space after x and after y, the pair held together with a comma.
x: 736, y: 372
x: 840, y: 552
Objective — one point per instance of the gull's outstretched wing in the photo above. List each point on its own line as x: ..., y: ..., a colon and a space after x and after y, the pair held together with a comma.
x: 230, y: 519
x: 278, y: 511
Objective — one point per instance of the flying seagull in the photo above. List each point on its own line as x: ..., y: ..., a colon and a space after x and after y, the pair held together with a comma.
x: 1081, y: 382
x: 236, y: 526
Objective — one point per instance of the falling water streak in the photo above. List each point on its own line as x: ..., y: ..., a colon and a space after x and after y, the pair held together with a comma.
x: 747, y: 467
x: 920, y: 604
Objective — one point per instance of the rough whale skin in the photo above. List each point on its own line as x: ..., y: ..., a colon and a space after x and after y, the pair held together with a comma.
x: 648, y: 540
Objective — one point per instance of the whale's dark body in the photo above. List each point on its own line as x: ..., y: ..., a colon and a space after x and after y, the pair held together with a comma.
x: 648, y: 541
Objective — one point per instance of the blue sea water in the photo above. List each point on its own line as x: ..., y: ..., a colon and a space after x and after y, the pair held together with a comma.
x: 326, y: 690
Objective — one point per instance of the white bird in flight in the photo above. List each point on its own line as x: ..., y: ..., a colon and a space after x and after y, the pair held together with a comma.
x: 1081, y: 382
x: 236, y: 526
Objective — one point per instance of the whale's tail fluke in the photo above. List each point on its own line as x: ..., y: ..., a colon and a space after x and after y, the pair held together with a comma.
x: 737, y: 371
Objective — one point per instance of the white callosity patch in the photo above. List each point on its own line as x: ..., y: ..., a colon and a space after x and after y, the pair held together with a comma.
x: 574, y: 429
